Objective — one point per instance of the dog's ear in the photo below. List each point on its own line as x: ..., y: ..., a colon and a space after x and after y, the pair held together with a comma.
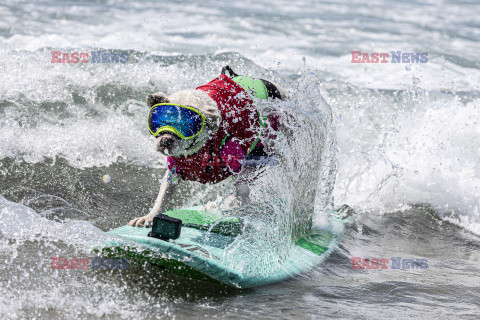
x: 159, y: 97
x: 228, y: 72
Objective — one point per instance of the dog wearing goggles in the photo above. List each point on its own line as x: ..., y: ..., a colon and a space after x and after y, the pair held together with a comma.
x: 208, y: 133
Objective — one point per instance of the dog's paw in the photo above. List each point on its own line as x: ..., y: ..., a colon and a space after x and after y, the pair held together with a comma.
x: 159, y: 97
x: 141, y: 222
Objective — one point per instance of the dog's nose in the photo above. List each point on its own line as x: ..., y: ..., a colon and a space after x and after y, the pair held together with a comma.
x: 166, y: 142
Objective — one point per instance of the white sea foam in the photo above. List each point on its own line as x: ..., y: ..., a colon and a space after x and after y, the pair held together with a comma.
x: 392, y: 152
x: 406, y: 134
x: 426, y: 153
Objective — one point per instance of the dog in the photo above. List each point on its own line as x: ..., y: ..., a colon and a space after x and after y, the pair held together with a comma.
x: 231, y: 133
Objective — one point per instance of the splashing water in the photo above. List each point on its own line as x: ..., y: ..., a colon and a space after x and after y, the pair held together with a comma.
x: 288, y: 197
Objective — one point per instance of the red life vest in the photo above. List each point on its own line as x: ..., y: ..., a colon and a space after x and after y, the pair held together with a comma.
x: 239, y: 121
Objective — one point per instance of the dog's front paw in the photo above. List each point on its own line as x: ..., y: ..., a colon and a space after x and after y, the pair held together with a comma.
x: 141, y: 222
x: 159, y: 97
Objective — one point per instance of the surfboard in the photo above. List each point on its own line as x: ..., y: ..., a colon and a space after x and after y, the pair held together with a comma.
x: 200, y: 250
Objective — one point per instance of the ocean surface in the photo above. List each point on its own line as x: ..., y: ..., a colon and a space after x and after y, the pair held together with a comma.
x: 399, y: 143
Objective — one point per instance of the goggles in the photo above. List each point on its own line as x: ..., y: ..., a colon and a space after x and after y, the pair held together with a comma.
x: 185, y: 122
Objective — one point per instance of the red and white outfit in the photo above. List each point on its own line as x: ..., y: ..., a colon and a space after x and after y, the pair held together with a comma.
x: 223, y: 153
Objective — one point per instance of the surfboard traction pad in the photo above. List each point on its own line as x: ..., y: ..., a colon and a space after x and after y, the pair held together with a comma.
x: 198, y: 253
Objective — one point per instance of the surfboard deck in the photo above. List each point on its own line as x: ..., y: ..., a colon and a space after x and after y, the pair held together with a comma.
x: 199, y: 251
